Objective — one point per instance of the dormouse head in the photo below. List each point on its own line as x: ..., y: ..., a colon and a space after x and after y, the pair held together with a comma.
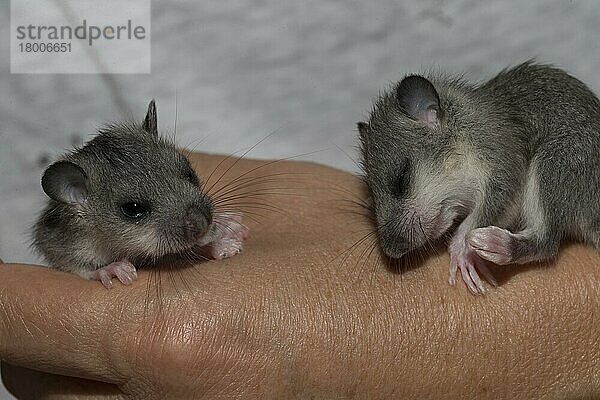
x: 133, y: 191
x: 414, y: 165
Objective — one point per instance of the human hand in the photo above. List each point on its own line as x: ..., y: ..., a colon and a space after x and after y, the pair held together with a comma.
x: 296, y: 316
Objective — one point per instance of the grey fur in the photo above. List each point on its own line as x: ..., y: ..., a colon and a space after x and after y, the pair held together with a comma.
x: 520, y: 151
x: 125, y: 162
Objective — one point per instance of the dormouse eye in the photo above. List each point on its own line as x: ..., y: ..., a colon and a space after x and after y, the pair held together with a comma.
x: 401, y: 181
x: 135, y: 210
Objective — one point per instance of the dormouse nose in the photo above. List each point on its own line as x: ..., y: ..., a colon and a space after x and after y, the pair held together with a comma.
x: 196, y: 221
x: 393, y: 240
x: 394, y: 247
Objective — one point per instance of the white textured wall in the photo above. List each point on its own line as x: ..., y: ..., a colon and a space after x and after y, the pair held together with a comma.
x: 308, y: 69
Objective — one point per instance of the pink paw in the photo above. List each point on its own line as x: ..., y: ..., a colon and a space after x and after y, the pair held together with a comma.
x: 231, y: 234
x: 491, y: 243
x: 224, y: 248
x: 470, y: 265
x: 229, y: 225
x: 122, y: 270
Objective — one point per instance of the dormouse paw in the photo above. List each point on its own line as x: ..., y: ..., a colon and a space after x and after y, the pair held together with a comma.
x: 229, y: 225
x: 231, y: 233
x: 224, y: 248
x: 492, y: 244
x: 470, y: 265
x: 124, y: 271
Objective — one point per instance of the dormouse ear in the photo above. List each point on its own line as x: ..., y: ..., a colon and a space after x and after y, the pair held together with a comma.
x: 363, y: 128
x: 65, y: 182
x: 419, y: 100
x: 150, y: 124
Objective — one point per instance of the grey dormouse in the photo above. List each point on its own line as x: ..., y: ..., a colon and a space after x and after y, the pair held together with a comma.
x: 126, y: 199
x: 508, y: 168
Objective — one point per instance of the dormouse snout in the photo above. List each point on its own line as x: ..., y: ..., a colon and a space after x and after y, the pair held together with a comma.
x: 394, y: 247
x: 196, y: 222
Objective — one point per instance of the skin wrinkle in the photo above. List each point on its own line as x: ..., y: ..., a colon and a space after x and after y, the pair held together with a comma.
x: 410, y: 336
x: 177, y: 350
x: 30, y: 313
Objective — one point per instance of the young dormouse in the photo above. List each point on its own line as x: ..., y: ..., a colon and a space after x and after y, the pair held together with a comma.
x: 514, y: 163
x: 128, y: 199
